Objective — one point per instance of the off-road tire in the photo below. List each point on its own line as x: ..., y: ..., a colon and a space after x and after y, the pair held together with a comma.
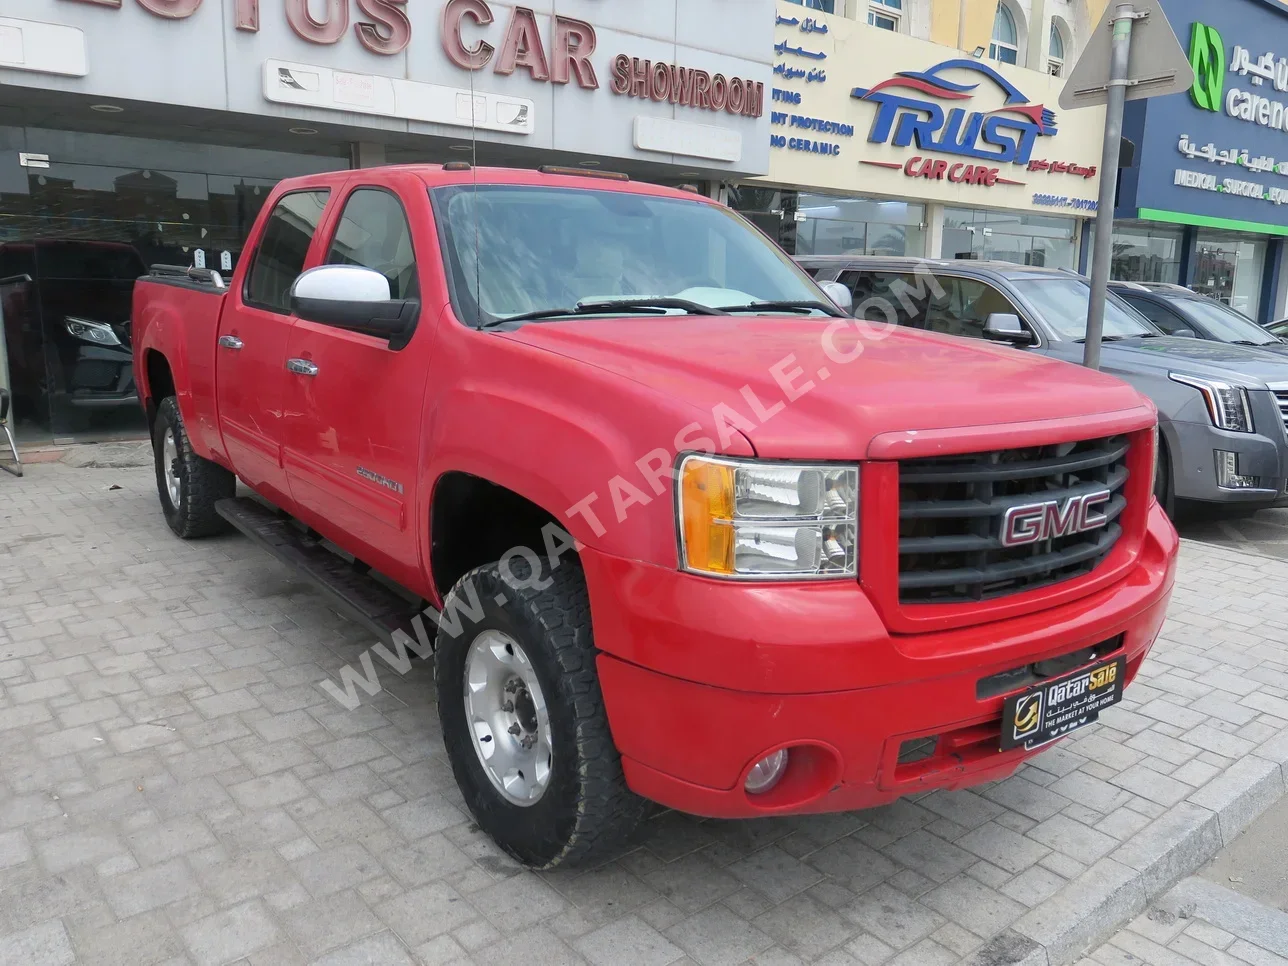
x: 201, y: 482
x: 586, y: 813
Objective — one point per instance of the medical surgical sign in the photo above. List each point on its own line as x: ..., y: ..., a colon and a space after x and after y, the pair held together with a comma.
x: 935, y: 112
x: 1263, y: 74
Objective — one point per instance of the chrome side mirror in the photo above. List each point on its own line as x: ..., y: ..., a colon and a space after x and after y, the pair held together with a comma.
x: 355, y: 298
x: 1006, y: 327
x: 839, y: 294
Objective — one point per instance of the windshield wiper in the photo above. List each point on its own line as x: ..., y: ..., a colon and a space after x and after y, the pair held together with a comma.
x: 1255, y: 345
x: 806, y: 306
x: 657, y: 306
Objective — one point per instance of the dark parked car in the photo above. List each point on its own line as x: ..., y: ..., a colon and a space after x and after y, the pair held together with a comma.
x: 67, y: 326
x: 1221, y: 408
x: 1175, y: 310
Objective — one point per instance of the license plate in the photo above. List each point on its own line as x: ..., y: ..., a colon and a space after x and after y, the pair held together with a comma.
x: 1053, y: 709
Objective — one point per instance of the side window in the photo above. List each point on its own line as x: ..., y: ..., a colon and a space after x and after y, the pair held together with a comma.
x: 964, y: 307
x: 878, y: 294
x: 1163, y: 317
x: 373, y: 233
x: 283, y: 247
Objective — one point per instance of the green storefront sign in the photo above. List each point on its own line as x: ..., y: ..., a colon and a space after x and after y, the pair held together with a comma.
x: 1207, y: 56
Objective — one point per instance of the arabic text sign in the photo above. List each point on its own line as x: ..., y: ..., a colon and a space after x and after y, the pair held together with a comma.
x: 1221, y: 150
x: 903, y: 119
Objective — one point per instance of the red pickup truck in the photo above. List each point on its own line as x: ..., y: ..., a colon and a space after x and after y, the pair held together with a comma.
x: 689, y: 532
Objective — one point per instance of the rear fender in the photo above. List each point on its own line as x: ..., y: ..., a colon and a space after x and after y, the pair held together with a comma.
x: 160, y: 329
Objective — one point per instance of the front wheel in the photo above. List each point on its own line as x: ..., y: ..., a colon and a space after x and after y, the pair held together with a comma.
x: 523, y: 718
x: 188, y: 485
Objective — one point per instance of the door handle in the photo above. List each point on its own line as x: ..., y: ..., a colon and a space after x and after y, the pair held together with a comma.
x: 230, y: 342
x: 302, y: 367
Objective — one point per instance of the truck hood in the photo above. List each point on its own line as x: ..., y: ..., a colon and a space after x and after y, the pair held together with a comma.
x: 1241, y: 365
x: 908, y: 380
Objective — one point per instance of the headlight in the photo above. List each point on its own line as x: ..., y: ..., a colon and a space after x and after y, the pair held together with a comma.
x: 100, y: 333
x: 1227, y: 405
x: 749, y: 519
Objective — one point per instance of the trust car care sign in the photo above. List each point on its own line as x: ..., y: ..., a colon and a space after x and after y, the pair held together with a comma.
x: 859, y: 109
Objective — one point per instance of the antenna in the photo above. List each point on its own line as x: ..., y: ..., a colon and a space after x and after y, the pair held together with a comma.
x: 474, y: 162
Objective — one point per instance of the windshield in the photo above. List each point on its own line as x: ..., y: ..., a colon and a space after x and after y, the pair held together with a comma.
x: 544, y: 249
x: 1063, y: 304
x: 1223, y: 324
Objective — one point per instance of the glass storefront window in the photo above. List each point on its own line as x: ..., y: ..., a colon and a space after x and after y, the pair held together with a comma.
x: 82, y: 232
x: 1230, y: 268
x: 805, y: 223
x: 1011, y: 236
x: 1146, y: 253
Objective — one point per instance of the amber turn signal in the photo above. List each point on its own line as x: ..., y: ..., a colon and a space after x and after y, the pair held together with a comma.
x: 706, y: 494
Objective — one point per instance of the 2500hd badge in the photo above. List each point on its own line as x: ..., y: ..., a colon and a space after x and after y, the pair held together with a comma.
x: 1053, y: 709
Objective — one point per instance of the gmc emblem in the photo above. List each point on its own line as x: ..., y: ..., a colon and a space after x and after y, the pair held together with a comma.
x: 1035, y: 522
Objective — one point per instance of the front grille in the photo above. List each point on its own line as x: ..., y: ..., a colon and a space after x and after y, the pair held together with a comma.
x: 1281, y: 398
x: 951, y: 510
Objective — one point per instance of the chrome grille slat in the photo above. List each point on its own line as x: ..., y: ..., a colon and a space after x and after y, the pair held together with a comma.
x: 951, y: 511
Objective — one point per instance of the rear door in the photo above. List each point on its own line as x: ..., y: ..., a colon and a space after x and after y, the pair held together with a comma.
x: 353, y: 434
x: 250, y: 358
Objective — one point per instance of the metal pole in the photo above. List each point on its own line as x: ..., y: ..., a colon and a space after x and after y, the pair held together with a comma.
x: 1101, y: 256
x: 961, y: 26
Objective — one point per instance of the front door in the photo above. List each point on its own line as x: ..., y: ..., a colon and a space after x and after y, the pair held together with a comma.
x: 251, y: 352
x: 353, y: 433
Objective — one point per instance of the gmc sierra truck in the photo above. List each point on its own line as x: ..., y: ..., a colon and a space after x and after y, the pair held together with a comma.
x: 687, y: 532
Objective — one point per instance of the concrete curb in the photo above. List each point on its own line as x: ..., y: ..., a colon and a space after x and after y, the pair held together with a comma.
x: 1109, y: 894
x: 1236, y: 914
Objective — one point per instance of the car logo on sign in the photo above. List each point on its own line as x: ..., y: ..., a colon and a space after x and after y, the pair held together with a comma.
x: 1035, y: 522
x: 1028, y: 715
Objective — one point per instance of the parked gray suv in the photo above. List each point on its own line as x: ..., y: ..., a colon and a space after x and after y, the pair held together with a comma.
x: 1222, y: 408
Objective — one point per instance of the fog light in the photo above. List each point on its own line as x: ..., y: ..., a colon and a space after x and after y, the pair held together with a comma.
x: 1227, y: 473
x: 766, y: 773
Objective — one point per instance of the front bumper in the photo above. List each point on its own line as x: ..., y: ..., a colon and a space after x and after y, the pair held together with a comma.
x: 1193, y: 447
x: 702, y: 679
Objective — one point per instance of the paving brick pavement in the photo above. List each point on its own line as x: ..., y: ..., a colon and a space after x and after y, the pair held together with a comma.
x: 175, y: 788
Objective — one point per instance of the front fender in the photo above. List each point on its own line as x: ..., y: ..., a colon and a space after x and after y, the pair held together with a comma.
x: 594, y: 450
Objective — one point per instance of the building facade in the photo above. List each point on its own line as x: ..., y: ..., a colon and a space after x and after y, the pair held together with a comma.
x: 134, y: 132
x: 885, y: 143
x: 1206, y: 203
x: 1041, y: 35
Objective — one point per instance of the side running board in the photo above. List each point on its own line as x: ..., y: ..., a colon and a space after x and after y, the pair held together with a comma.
x: 347, y: 587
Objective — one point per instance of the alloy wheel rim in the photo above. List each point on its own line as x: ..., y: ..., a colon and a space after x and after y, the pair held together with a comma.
x: 170, y: 465
x: 506, y: 713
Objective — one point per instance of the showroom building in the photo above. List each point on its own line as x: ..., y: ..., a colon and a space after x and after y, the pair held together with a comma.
x: 135, y: 132
x: 883, y: 143
x: 1206, y: 203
